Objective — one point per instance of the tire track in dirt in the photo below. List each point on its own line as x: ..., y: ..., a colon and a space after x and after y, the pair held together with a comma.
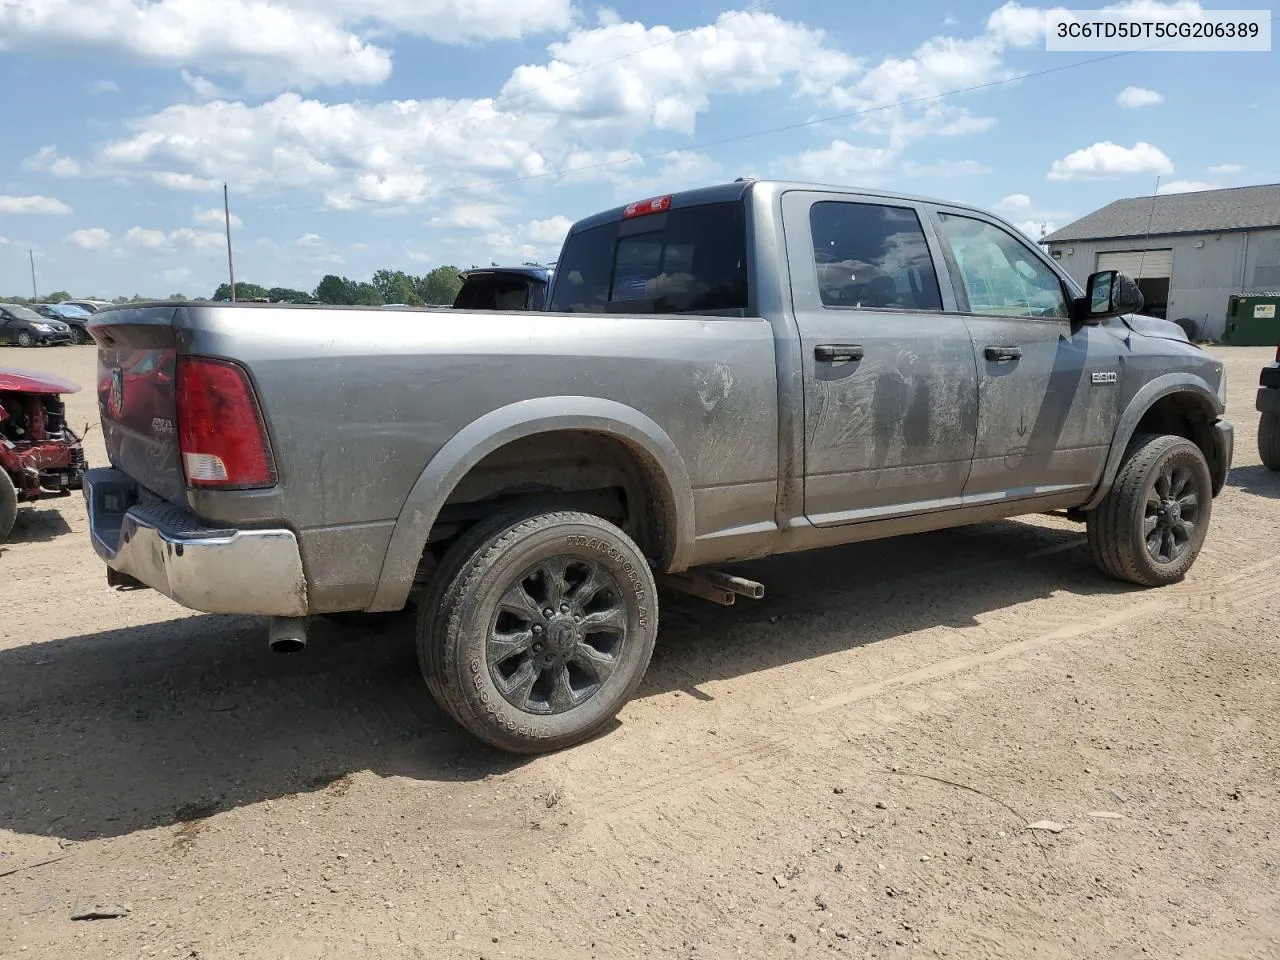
x: 1206, y: 596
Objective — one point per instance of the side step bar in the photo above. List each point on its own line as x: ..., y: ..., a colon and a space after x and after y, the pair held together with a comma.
x: 714, y: 585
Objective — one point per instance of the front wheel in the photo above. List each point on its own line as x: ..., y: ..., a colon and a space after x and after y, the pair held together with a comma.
x: 79, y: 336
x: 25, y: 339
x: 1269, y: 440
x: 538, y: 628
x: 1151, y: 525
x: 8, y: 505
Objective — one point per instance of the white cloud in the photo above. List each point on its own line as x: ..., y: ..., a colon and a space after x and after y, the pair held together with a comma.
x: 33, y: 205
x: 1134, y: 98
x: 844, y: 163
x: 203, y: 88
x: 145, y: 239
x: 472, y: 216
x: 398, y: 154
x: 1109, y: 160
x: 104, y: 86
x: 1186, y: 186
x: 535, y: 241
x: 271, y: 44
x: 93, y: 238
x: 48, y: 160
x: 1013, y: 203
x: 177, y: 275
x: 1226, y: 169
x: 668, y: 83
x: 310, y: 241
x: 216, y: 216
x: 1035, y: 229
x: 5, y: 241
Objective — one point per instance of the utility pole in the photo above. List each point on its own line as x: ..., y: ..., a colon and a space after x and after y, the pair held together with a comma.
x: 35, y: 293
x: 231, y: 264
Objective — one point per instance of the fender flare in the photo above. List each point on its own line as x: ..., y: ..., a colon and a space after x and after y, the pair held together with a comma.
x: 1128, y: 421
x: 466, y: 448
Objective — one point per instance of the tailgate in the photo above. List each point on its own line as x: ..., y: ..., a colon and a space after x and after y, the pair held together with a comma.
x: 137, y: 354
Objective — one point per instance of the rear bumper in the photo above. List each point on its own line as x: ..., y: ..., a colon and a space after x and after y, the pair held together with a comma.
x: 170, y: 550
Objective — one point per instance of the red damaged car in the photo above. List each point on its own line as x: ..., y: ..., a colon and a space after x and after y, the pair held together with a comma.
x: 40, y: 456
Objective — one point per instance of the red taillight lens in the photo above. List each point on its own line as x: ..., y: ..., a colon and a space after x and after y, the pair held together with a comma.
x: 643, y: 208
x: 220, y: 428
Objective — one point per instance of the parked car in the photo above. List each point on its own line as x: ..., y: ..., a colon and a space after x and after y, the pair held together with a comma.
x: 1268, y: 404
x: 23, y: 327
x: 725, y: 373
x: 40, y: 455
x: 503, y: 288
x: 76, y: 318
x: 93, y: 306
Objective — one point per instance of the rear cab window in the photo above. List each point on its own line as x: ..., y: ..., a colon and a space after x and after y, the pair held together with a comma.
x: 683, y: 260
x: 872, y: 256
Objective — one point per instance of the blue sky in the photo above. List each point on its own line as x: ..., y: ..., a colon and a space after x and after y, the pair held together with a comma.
x: 358, y: 134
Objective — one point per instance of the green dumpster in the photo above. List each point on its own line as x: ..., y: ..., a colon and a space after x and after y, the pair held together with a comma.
x: 1253, y: 321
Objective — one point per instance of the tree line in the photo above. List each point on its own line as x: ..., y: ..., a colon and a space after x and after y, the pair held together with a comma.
x: 435, y: 288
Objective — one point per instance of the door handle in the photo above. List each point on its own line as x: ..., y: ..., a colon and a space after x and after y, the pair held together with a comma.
x: 1003, y: 354
x: 837, y: 352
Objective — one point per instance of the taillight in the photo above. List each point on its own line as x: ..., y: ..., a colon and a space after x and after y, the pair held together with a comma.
x: 220, y: 428
x: 642, y: 208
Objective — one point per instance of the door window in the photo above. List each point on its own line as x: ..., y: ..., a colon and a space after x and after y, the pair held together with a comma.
x: 872, y: 256
x: 1001, y: 276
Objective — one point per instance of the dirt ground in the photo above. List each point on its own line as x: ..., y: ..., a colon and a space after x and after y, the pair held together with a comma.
x: 848, y: 766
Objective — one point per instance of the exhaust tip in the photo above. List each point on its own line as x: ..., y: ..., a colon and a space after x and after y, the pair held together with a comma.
x: 287, y: 634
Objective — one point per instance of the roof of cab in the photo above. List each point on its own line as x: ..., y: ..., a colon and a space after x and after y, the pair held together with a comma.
x: 531, y: 273
x: 737, y: 190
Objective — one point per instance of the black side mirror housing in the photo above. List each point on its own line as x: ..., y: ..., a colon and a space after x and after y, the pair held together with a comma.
x: 1109, y: 293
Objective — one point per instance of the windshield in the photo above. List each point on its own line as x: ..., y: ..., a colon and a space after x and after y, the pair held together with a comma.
x: 23, y: 313
x: 688, y: 260
x: 68, y: 310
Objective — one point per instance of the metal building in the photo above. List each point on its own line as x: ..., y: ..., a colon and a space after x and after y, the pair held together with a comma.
x: 1190, y: 252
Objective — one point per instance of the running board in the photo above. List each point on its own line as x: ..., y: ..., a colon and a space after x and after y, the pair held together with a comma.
x: 713, y: 585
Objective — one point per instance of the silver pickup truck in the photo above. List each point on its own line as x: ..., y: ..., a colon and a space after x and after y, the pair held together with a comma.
x: 722, y: 374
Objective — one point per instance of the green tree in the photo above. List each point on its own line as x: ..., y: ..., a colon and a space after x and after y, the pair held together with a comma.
x: 244, y: 291
x: 58, y: 296
x: 335, y: 290
x: 440, y: 286
x: 395, y: 286
x: 280, y: 294
x: 177, y: 296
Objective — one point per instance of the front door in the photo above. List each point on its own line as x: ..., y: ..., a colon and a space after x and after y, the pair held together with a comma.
x: 1047, y: 398
x: 890, y: 387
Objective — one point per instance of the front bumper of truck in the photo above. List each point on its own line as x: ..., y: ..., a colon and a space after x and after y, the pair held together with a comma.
x: 164, y: 547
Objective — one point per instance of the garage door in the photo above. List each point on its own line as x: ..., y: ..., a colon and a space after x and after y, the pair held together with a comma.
x: 1137, y: 264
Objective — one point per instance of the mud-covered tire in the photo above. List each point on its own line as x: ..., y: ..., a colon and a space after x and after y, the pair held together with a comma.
x: 8, y: 506
x: 25, y: 339
x: 1158, y: 471
x: 565, y: 675
x: 1269, y: 440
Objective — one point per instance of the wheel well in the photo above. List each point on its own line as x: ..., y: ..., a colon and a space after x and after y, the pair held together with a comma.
x: 1184, y: 415
x: 566, y: 470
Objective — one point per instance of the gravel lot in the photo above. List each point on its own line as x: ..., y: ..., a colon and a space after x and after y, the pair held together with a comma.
x: 847, y: 767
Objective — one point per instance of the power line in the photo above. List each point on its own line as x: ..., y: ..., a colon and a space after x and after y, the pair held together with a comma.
x: 753, y: 134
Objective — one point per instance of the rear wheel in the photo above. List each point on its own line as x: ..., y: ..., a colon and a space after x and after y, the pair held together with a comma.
x: 538, y: 628
x: 8, y: 505
x: 1151, y: 525
x: 1269, y: 440
x: 26, y: 339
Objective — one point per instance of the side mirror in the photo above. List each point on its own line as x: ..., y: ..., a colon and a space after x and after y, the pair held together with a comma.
x: 1109, y: 293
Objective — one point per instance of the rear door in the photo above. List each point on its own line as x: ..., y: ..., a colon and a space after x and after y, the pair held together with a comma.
x: 889, y: 380
x: 1047, y: 398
